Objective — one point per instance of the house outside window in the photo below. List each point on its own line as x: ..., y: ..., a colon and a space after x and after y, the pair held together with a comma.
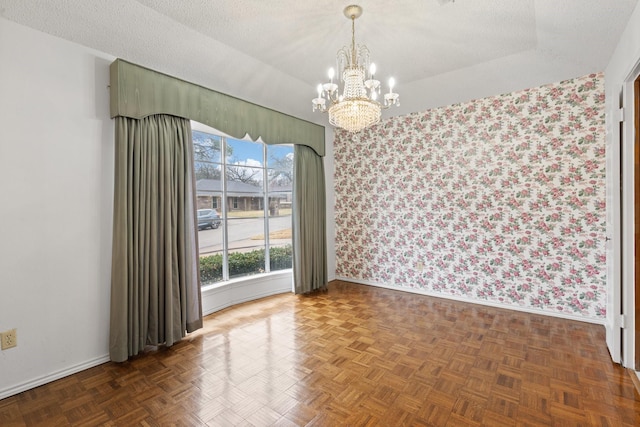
x: 249, y: 184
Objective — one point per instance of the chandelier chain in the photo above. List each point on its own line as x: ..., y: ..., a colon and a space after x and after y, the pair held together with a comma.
x: 353, y: 40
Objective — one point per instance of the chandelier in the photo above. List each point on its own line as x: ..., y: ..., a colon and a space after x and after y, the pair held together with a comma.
x: 357, y: 107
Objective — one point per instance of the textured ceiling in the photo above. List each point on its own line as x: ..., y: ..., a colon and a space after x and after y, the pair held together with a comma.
x: 411, y: 39
x: 275, y: 52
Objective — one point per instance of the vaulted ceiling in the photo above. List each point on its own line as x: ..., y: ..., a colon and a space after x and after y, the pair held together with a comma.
x: 275, y: 52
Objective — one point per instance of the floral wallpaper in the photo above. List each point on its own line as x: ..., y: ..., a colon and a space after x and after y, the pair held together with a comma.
x: 499, y: 199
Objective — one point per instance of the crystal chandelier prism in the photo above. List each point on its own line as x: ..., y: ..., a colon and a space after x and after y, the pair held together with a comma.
x: 357, y: 107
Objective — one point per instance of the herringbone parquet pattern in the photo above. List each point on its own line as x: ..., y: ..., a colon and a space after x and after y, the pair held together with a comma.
x: 357, y: 356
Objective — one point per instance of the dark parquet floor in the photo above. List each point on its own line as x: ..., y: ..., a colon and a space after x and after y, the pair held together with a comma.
x: 356, y: 356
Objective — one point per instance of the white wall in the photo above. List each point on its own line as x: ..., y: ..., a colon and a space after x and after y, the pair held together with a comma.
x: 624, y: 62
x: 56, y: 179
x: 56, y: 192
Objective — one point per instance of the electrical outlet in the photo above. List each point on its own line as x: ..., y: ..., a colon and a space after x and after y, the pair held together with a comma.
x: 8, y: 339
x: 420, y: 266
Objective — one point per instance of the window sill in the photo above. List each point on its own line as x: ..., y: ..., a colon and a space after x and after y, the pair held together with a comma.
x: 221, y: 295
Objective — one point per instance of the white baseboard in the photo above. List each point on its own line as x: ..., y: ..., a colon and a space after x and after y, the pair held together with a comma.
x: 474, y: 301
x: 36, y: 382
x: 214, y: 298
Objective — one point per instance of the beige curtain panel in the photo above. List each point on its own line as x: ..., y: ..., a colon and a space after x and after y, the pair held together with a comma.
x: 155, y: 289
x: 309, y: 222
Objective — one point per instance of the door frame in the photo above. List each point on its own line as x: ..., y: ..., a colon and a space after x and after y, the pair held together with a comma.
x: 625, y: 293
x: 614, y: 221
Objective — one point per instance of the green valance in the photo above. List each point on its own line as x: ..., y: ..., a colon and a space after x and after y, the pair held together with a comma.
x: 139, y: 92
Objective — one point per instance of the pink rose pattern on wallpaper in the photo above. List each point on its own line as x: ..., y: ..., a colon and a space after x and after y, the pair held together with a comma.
x: 500, y: 199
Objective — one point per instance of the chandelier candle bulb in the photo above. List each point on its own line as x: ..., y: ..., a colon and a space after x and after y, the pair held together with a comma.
x: 319, y: 102
x: 352, y: 102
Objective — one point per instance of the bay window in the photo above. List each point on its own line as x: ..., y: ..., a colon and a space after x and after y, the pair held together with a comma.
x: 249, y: 186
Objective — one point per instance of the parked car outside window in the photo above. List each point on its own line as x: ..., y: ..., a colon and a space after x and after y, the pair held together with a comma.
x: 208, y: 218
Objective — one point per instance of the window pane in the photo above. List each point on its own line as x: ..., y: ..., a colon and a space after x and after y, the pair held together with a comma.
x: 280, y: 157
x: 279, y: 187
x: 245, y: 203
x: 280, y: 247
x: 244, y: 192
x: 205, y: 170
x: 279, y: 179
x: 245, y: 176
x: 210, y: 229
x: 280, y: 174
x: 246, y: 246
x: 206, y: 147
x: 245, y: 153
